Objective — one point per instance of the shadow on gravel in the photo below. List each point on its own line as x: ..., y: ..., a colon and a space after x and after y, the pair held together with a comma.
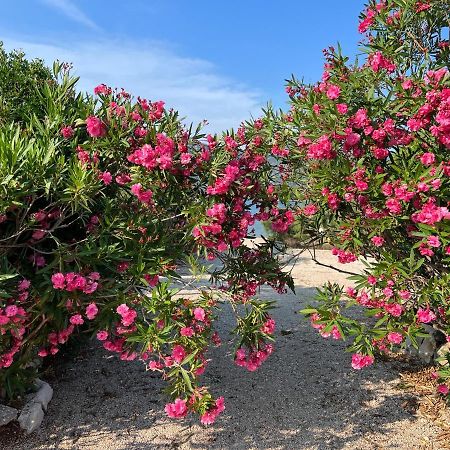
x: 305, y: 396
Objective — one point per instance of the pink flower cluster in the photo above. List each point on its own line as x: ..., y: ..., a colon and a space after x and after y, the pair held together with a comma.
x: 127, y: 314
x: 334, y: 332
x: 254, y: 358
x: 360, y: 361
x: 162, y: 155
x: 13, y: 320
x: 210, y: 416
x: 144, y: 196
x: 95, y: 127
x: 177, y: 410
x: 430, y: 213
x: 223, y: 183
x: 268, y: 327
x: 378, y: 61
x: 425, y: 315
x: 322, y: 149
x: 74, y: 281
x: 343, y: 256
x: 282, y: 222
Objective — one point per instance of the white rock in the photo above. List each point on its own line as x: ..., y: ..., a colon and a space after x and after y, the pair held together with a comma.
x: 443, y: 351
x: 427, y: 349
x: 44, y: 393
x: 31, y: 417
x: 7, y: 414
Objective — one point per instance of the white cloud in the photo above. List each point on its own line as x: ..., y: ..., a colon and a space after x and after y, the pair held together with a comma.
x: 72, y: 11
x: 153, y: 71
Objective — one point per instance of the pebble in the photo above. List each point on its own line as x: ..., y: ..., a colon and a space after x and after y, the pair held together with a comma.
x: 31, y: 417
x: 7, y: 414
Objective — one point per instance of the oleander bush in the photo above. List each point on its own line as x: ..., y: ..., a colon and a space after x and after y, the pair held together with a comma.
x: 106, y: 203
x: 366, y: 151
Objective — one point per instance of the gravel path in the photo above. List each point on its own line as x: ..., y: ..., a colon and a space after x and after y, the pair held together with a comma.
x: 306, y: 396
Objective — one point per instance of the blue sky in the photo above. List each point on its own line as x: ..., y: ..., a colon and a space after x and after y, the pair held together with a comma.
x: 215, y: 60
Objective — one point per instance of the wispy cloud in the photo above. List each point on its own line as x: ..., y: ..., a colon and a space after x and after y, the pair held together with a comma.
x: 151, y: 70
x: 72, y: 11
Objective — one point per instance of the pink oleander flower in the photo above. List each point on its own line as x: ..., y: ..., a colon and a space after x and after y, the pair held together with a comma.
x: 425, y: 251
x: 152, y: 280
x: 395, y: 338
x: 187, y: 331
x: 378, y: 241
x: 427, y: 159
x: 42, y: 352
x: 38, y: 234
x: 433, y: 241
x: 123, y: 266
x: 268, y: 326
x: 343, y: 256
x: 123, y: 179
x: 443, y: 389
x: 394, y: 309
x: 310, y: 210
x: 95, y: 127
x: 342, y: 108
x: 334, y: 333
x: 394, y: 206
x: 4, y: 320
x: 380, y: 153
x: 155, y: 365
x: 360, y: 361
x: 425, y: 315
x: 122, y: 309
x: 91, y: 311
x: 430, y: 214
x: 67, y: 132
x: 185, y: 158
x: 11, y: 310
x: 102, y: 89
x: 58, y: 281
x: 24, y: 285
x: 378, y: 61
x: 106, y: 177
x: 199, y: 314
x: 76, y: 320
x: 209, y: 417
x: 142, y: 195
x: 177, y: 409
x: 178, y: 353
x: 128, y: 314
x: 405, y: 295
x: 102, y: 335
x: 333, y: 92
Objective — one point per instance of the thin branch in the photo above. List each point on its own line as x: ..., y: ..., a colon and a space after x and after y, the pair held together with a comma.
x: 334, y: 268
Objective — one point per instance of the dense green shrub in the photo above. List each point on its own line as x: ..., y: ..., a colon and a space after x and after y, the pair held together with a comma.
x: 20, y: 82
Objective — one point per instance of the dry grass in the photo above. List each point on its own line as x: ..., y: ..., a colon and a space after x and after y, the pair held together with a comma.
x: 430, y: 404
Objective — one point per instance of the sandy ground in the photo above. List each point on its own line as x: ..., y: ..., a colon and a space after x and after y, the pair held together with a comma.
x: 306, y: 396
